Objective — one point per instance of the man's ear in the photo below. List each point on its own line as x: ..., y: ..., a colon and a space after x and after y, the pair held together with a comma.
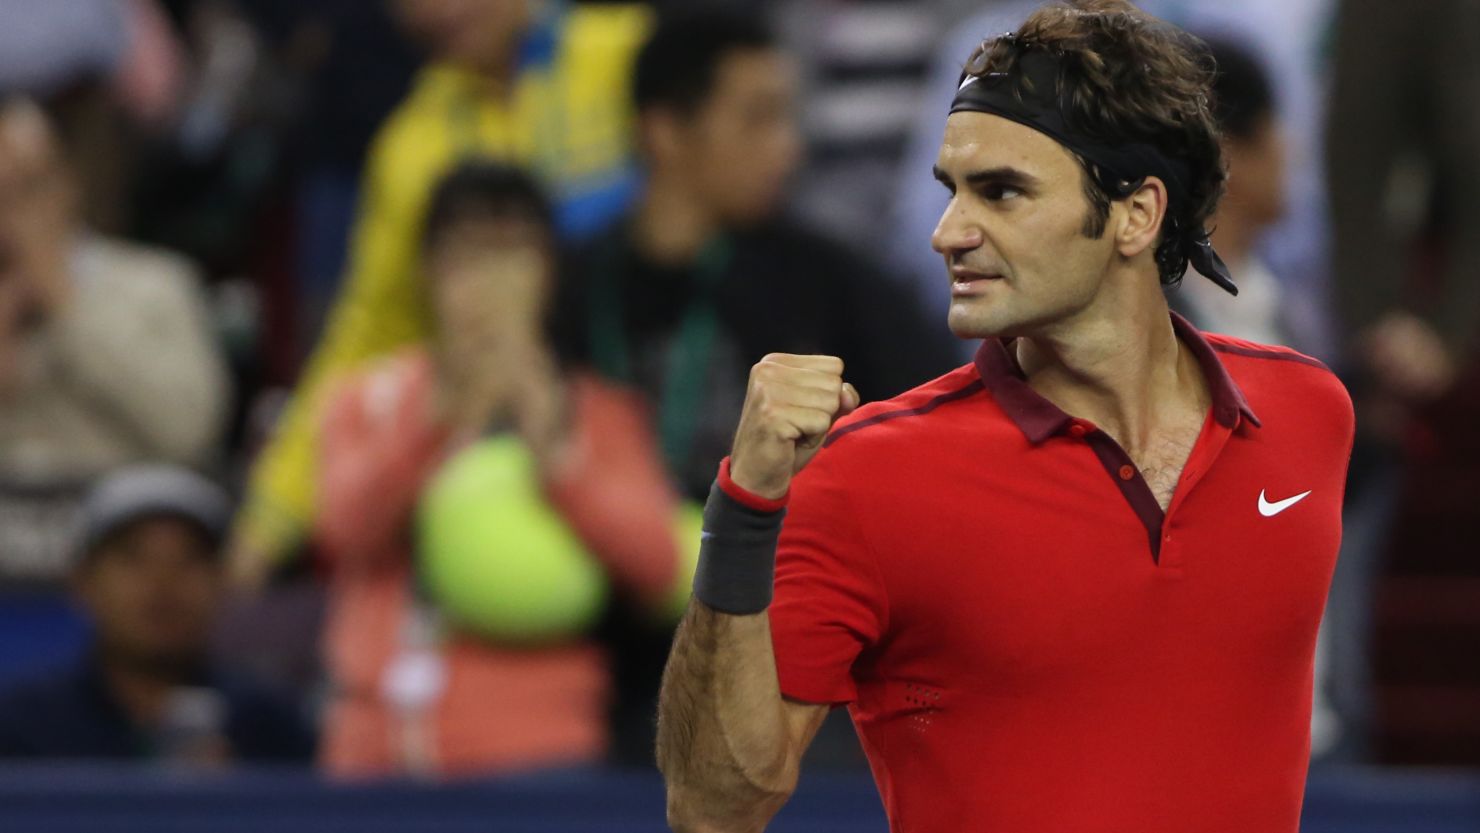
x: 1140, y: 226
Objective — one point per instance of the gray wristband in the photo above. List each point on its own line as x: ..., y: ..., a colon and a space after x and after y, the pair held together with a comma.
x: 737, y: 556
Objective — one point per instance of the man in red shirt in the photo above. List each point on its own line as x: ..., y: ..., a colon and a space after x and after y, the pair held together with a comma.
x: 1074, y: 585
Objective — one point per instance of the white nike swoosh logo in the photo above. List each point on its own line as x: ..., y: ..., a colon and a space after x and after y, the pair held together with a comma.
x: 1269, y: 510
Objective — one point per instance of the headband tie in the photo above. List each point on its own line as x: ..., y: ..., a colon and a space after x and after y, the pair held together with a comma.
x: 1119, y: 167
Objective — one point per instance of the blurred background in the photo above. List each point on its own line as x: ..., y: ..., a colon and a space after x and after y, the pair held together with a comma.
x: 364, y: 365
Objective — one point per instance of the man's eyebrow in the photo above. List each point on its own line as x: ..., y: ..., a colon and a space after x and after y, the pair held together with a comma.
x: 1001, y: 175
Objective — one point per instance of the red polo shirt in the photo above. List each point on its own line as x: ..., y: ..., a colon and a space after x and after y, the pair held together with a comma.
x: 1027, y: 644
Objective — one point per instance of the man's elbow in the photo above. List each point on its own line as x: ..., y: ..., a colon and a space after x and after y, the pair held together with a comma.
x: 747, y: 810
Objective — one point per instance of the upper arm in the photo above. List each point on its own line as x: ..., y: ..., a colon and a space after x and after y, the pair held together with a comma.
x: 829, y: 603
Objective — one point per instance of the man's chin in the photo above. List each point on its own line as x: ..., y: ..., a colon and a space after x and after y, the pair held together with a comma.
x: 964, y: 325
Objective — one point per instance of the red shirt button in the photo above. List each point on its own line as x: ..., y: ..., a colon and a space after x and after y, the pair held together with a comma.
x: 1078, y: 430
x: 1127, y: 472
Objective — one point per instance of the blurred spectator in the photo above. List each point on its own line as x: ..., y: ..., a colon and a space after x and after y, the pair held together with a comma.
x: 149, y: 575
x: 707, y: 274
x: 110, y: 67
x: 1404, y: 178
x: 119, y: 364
x: 423, y: 683
x: 1407, y: 125
x: 17, y: 134
x: 1254, y: 147
x: 542, y: 85
x: 151, y: 75
x: 46, y: 47
x: 862, y: 66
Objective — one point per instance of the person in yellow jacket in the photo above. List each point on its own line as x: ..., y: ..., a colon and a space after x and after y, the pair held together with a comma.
x: 537, y: 83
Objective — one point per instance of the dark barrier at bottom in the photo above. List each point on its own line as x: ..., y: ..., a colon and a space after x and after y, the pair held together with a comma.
x: 71, y: 799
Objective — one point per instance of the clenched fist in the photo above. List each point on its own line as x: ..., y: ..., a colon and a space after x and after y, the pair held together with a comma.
x: 790, y: 405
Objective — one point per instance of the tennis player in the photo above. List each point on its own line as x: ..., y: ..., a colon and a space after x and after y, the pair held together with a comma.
x: 1074, y: 585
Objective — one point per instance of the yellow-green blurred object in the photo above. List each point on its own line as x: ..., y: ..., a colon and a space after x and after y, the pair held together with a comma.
x: 688, y: 525
x: 496, y: 558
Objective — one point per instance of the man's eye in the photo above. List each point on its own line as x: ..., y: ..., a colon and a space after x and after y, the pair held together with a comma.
x: 997, y: 193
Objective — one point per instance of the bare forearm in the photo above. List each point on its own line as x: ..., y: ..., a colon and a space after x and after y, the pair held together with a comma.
x: 729, y: 746
x: 724, y: 744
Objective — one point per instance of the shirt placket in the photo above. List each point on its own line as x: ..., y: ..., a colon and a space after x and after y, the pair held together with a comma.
x: 1162, y: 537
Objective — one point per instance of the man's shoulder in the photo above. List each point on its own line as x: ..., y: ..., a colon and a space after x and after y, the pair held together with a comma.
x: 901, y: 418
x: 1268, y: 373
x: 1244, y: 357
x: 1238, y: 348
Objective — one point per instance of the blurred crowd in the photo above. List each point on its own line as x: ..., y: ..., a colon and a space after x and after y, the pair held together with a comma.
x: 364, y: 365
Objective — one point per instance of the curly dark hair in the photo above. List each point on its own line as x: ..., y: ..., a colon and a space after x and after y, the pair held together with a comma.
x: 1126, y: 76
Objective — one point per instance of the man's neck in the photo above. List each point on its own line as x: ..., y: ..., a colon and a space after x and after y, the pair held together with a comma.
x: 1119, y: 364
x: 671, y: 225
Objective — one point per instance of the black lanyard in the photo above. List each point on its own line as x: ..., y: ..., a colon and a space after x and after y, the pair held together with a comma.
x: 686, y: 366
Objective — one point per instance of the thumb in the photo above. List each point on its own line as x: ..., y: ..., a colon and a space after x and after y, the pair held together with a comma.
x: 849, y: 401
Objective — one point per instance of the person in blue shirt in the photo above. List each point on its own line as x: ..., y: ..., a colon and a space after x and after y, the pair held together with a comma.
x: 149, y: 576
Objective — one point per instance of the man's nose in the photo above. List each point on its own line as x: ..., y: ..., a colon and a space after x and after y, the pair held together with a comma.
x: 955, y: 233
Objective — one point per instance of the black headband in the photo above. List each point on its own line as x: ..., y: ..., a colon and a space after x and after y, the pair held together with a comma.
x: 1035, y: 103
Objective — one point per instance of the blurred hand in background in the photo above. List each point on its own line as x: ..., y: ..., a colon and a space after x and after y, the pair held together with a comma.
x: 32, y: 223
x: 1407, y: 357
x: 37, y: 207
x: 1409, y: 366
x: 491, y: 279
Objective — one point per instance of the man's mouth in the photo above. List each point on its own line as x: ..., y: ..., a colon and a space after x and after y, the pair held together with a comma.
x: 966, y: 281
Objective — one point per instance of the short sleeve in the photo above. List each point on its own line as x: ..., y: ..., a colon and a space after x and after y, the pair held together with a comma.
x: 829, y: 604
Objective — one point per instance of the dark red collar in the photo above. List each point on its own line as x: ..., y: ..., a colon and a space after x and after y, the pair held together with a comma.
x: 1040, y: 419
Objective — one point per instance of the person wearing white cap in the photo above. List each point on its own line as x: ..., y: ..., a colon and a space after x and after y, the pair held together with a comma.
x: 147, y: 571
